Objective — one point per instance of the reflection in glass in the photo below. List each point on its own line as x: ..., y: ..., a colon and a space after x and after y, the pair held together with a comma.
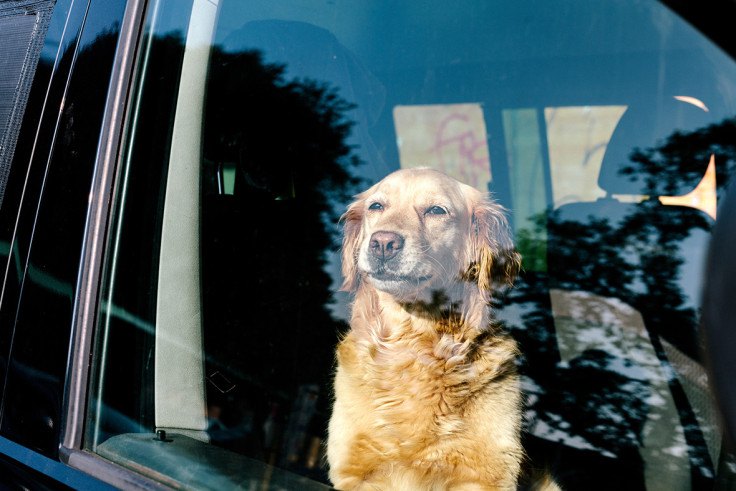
x: 569, y: 127
x: 268, y: 326
x: 624, y: 378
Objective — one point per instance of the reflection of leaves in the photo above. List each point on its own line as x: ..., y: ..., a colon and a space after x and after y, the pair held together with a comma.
x: 286, y: 137
x: 634, y: 252
x: 439, y: 306
x: 636, y: 259
x: 267, y: 294
x: 536, y: 337
x: 589, y: 256
x: 681, y: 157
x: 607, y: 408
x: 531, y: 243
x: 287, y: 142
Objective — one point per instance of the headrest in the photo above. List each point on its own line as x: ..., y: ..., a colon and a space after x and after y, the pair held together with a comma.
x: 642, y: 157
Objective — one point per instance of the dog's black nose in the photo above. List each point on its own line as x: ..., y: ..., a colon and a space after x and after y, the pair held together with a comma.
x: 385, y: 245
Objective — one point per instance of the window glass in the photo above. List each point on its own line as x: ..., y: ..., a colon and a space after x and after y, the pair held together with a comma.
x: 52, y: 171
x: 605, y: 129
x: 23, y: 27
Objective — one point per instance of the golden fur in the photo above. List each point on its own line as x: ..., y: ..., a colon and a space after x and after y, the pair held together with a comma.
x: 426, y: 391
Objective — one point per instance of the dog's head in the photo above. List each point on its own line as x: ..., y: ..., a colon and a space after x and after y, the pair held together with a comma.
x: 419, y: 231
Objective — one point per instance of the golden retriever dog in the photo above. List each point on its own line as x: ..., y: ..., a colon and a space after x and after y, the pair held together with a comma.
x: 426, y: 392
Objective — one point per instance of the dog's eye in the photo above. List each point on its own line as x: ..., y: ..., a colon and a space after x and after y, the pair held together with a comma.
x: 436, y: 210
x: 376, y: 206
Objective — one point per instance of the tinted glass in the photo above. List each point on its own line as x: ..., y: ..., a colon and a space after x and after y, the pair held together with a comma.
x: 23, y: 27
x: 605, y: 129
x: 52, y: 172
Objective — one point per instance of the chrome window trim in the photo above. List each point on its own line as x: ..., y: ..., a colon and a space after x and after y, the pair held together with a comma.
x: 86, y: 294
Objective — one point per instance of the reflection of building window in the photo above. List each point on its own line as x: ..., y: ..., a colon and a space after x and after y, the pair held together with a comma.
x: 577, y: 139
x: 448, y: 137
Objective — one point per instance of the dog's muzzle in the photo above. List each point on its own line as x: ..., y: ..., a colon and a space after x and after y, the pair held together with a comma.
x: 385, y: 245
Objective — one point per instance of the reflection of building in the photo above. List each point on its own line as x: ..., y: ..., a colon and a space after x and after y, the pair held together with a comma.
x: 448, y: 137
x: 576, y: 141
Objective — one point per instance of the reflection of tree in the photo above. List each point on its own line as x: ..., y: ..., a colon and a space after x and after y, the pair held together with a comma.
x: 58, y: 183
x: 635, y: 252
x: 267, y: 322
x: 681, y: 158
x: 281, y: 135
x: 637, y: 260
x: 593, y: 393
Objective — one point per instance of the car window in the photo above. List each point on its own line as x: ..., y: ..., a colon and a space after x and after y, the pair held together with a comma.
x: 606, y: 130
x: 22, y: 32
x: 23, y: 28
x: 44, y: 211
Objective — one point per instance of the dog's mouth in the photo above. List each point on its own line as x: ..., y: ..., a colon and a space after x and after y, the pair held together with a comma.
x: 389, y: 276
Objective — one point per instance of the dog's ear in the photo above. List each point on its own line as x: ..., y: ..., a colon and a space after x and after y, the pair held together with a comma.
x: 352, y: 222
x: 491, y: 253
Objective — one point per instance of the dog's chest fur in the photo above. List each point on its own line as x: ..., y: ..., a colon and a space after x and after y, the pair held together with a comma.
x: 424, y: 371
